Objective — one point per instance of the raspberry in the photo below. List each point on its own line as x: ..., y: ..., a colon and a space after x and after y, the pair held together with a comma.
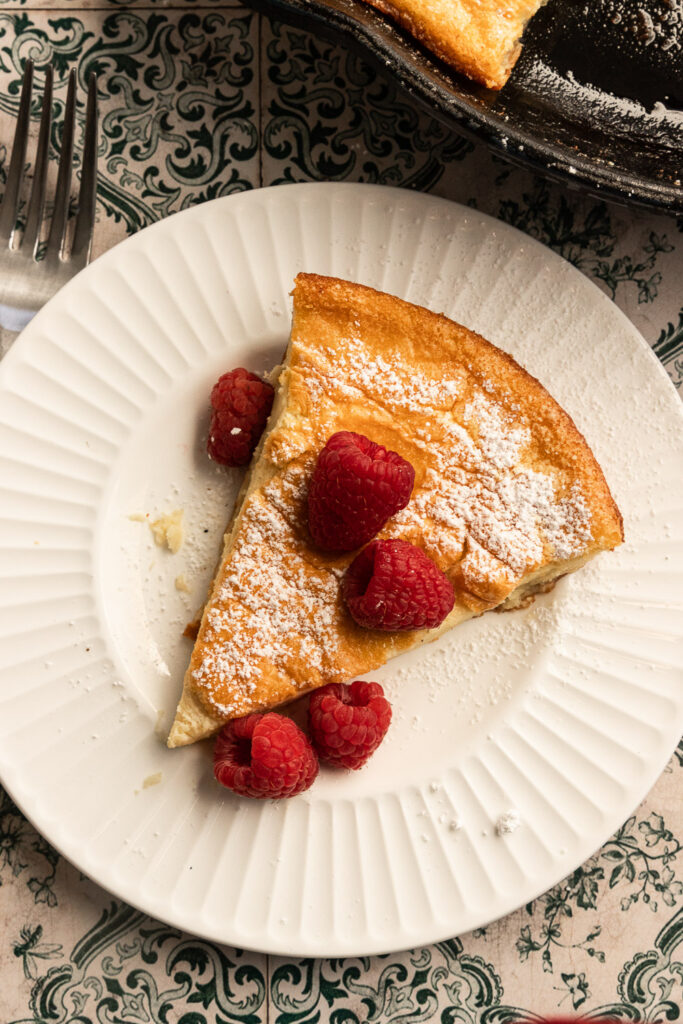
x: 264, y: 756
x: 241, y: 404
x: 392, y: 585
x: 348, y: 723
x: 356, y: 486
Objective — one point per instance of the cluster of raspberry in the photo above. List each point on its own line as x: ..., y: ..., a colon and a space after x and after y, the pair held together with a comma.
x: 356, y: 487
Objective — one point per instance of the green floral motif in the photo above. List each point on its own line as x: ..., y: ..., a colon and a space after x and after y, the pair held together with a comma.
x: 643, y: 856
x: 110, y: 975
x: 333, y: 117
x: 650, y: 987
x: 406, y: 988
x: 587, y: 241
x: 130, y: 968
x: 19, y: 845
x: 669, y: 348
x: 578, y: 892
x: 177, y: 119
x: 42, y: 888
x: 677, y: 755
x: 639, y: 854
x: 189, y: 107
x: 445, y: 983
x: 61, y: 45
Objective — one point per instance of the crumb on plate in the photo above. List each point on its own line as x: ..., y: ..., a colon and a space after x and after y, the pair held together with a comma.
x: 508, y: 823
x: 168, y: 530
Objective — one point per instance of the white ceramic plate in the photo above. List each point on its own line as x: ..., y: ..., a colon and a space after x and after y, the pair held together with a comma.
x: 565, y: 712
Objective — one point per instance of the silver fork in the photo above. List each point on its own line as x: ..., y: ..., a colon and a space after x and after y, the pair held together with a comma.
x: 26, y: 283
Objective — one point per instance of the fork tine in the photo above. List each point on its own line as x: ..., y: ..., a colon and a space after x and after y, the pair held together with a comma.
x: 36, y: 204
x: 60, y: 216
x: 85, y: 221
x: 10, y: 200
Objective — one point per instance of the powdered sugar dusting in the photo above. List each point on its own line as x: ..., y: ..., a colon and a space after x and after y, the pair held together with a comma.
x: 500, y: 442
x: 273, y: 610
x: 480, y: 509
x: 392, y: 382
x: 483, y: 492
x: 489, y: 658
x: 479, y: 488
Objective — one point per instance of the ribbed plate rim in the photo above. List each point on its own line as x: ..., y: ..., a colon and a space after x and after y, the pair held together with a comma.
x: 23, y: 347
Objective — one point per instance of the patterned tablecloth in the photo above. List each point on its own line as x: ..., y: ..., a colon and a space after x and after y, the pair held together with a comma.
x: 200, y: 100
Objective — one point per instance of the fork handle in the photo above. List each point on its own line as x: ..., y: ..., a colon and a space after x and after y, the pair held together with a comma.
x: 12, y: 322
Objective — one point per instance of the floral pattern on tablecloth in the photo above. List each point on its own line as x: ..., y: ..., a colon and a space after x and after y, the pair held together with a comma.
x: 201, y: 99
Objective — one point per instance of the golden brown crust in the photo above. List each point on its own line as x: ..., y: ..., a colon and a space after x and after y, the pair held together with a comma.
x: 507, y: 497
x: 480, y: 38
x: 565, y: 445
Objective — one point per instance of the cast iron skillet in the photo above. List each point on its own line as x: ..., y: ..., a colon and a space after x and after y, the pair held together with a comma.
x: 629, y: 149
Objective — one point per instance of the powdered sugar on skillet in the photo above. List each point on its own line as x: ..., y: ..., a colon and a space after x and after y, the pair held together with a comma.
x: 657, y: 23
x: 581, y: 101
